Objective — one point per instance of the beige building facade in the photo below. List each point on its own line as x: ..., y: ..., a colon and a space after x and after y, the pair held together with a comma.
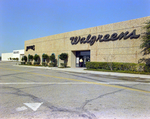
x: 117, y: 42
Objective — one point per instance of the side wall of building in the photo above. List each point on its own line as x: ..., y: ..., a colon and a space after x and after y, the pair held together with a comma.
x: 15, y: 54
x: 6, y: 56
x: 18, y: 54
x: 124, y: 50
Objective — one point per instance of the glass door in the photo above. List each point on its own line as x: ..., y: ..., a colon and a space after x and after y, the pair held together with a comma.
x: 82, y: 57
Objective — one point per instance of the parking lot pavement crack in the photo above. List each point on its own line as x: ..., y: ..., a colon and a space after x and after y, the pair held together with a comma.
x: 82, y: 108
x: 83, y: 114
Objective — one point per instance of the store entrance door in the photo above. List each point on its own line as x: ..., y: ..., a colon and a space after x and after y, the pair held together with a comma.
x: 82, y: 57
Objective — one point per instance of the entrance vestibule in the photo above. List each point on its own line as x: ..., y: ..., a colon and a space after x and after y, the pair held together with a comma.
x: 82, y: 57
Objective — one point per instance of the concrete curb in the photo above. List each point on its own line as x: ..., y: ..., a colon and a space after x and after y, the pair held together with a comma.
x: 81, y: 70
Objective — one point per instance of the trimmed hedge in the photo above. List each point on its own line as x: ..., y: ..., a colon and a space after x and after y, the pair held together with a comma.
x: 23, y: 63
x: 116, y: 66
x: 63, y: 64
x: 29, y: 63
x: 53, y: 64
x: 147, y: 68
x: 36, y: 63
x: 44, y: 64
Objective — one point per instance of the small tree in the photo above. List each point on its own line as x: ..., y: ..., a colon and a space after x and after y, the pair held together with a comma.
x: 17, y: 58
x: 36, y: 58
x: 45, y: 57
x: 146, y: 40
x: 146, y: 46
x: 0, y: 57
x: 24, y: 58
x: 30, y: 57
x: 64, y: 56
x: 53, y: 60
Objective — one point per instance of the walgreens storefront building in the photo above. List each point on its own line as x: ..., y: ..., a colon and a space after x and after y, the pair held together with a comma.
x: 117, y: 42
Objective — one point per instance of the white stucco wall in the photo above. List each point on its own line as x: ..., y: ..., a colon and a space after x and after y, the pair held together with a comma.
x: 15, y: 54
x: 6, y: 56
x: 18, y: 54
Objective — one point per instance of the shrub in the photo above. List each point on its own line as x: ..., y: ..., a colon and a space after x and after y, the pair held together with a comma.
x: 29, y: 63
x: 17, y: 59
x: 24, y: 58
x: 52, y: 58
x: 45, y: 57
x: 30, y: 57
x: 64, y: 56
x: 63, y: 64
x: 146, y: 39
x: 36, y: 58
x: 116, y: 66
x: 140, y: 67
x: 22, y: 63
x: 53, y: 61
x: 36, y: 63
x: 53, y: 64
x: 44, y: 64
x: 147, y: 68
x: 97, y: 65
x: 129, y: 66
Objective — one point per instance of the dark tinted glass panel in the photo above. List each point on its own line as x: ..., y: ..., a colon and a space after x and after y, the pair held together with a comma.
x: 83, y: 53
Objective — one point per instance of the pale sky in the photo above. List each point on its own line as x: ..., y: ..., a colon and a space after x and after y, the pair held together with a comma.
x: 22, y: 20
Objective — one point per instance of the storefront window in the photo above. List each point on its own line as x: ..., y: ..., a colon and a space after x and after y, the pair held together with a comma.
x: 82, y: 57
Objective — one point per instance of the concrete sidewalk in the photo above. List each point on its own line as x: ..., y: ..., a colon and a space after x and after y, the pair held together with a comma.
x: 81, y: 70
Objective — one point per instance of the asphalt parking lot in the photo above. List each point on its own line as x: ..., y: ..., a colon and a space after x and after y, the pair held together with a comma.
x: 49, y: 94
